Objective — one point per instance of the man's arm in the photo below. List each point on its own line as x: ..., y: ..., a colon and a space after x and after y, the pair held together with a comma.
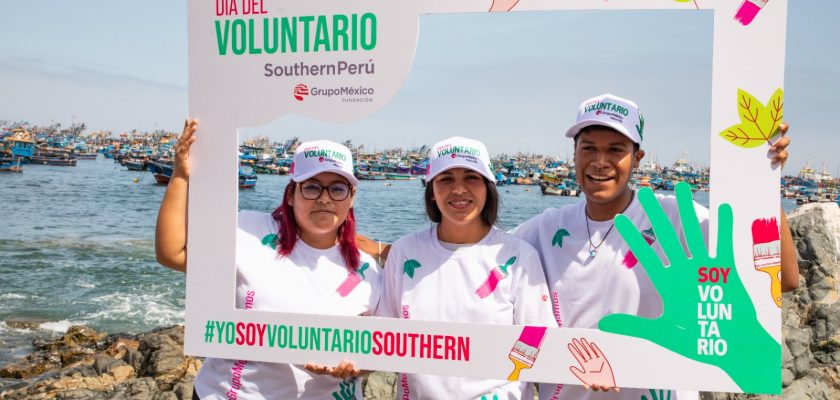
x: 790, y: 265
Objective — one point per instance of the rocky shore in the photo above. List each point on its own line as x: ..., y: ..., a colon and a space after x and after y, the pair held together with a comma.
x: 85, y: 364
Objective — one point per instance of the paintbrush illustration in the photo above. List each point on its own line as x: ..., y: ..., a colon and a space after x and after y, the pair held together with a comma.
x: 767, y: 255
x: 496, y: 276
x: 525, y: 350
x: 749, y: 9
x: 353, y: 280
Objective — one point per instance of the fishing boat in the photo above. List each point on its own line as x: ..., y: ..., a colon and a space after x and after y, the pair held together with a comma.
x: 10, y: 165
x: 62, y: 160
x: 161, y: 171
x: 563, y: 189
x: 398, y: 176
x: 17, y: 149
x: 247, y: 177
x: 370, y: 175
x: 134, y: 164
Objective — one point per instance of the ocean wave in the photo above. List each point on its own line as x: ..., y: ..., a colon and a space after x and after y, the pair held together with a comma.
x: 145, y: 309
x: 12, y: 296
x: 58, y: 326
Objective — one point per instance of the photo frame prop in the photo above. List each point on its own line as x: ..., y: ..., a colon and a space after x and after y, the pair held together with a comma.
x: 252, y: 62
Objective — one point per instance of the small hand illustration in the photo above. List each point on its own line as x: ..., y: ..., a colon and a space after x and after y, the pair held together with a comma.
x: 558, y: 237
x: 503, y: 6
x: 597, y: 372
x: 661, y: 396
x: 708, y: 315
x: 410, y: 266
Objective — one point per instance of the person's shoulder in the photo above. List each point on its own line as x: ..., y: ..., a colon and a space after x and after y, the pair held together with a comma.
x: 365, y: 258
x: 254, y: 221
x: 551, y: 215
x: 414, y: 238
x: 513, y: 241
x: 247, y: 216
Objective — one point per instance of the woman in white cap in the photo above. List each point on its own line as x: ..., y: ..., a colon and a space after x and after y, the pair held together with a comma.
x: 463, y: 268
x: 305, y: 249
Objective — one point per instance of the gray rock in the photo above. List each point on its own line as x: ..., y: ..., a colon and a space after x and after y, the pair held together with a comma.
x: 183, y: 390
x: 163, y: 352
x: 134, y: 358
x: 138, y: 389
x: 103, y: 364
x: 380, y: 386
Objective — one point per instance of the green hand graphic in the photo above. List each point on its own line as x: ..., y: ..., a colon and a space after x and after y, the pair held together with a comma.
x: 410, y: 266
x: 558, y: 237
x: 708, y: 315
x: 346, y: 390
x: 270, y: 240
x: 661, y: 396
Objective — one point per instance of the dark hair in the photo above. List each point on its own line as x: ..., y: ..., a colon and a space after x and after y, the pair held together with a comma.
x: 591, y: 128
x: 489, y: 214
x: 288, y: 234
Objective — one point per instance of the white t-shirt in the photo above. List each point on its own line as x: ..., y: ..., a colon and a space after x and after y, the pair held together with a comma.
x: 498, y: 280
x: 584, y: 289
x: 309, y: 280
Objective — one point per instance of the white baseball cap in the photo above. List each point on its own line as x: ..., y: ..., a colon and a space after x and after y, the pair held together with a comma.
x: 611, y: 111
x: 459, y: 152
x: 313, y: 158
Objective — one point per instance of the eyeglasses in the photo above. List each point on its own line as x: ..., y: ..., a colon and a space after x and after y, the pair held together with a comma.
x: 312, y: 190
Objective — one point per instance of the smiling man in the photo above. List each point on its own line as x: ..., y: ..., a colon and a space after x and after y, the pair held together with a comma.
x: 589, y: 268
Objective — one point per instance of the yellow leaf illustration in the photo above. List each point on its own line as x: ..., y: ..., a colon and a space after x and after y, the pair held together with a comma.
x: 759, y: 122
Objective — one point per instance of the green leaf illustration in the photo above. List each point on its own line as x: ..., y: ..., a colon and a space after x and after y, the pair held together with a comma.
x: 270, y: 240
x: 410, y: 266
x: 558, y: 237
x: 759, y: 123
x: 641, y: 127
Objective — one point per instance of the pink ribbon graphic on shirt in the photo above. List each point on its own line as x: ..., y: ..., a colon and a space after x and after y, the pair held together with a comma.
x: 353, y: 280
x: 496, y: 276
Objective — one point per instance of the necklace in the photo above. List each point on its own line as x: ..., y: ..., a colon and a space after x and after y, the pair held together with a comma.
x: 593, y: 248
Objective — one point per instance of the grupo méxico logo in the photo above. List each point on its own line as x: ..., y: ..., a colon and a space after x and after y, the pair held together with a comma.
x: 301, y: 91
x: 350, y: 94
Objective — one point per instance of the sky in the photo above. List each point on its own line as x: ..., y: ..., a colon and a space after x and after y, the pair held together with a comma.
x: 121, y: 66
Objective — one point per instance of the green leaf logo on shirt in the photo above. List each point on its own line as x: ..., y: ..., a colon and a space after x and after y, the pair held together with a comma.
x: 270, y: 240
x: 410, y: 266
x: 558, y: 237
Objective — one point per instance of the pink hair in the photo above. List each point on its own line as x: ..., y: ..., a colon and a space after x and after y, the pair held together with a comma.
x: 288, y: 235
